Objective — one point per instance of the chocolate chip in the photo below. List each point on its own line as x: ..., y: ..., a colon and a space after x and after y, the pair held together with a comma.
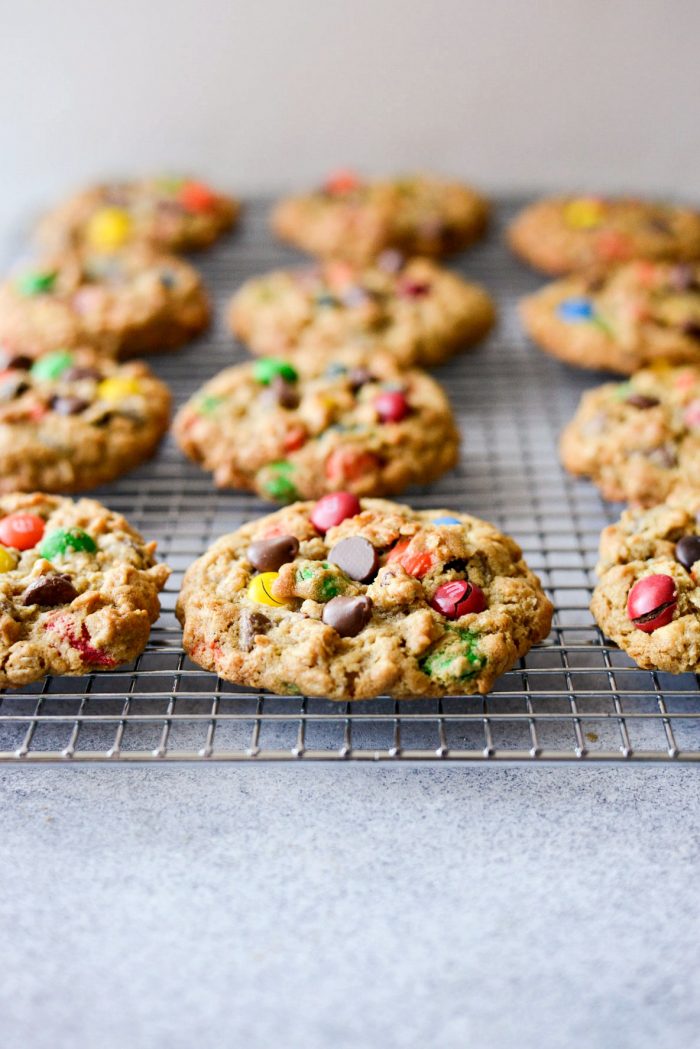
x: 267, y: 555
x: 682, y: 277
x: 13, y: 387
x: 280, y: 393
x: 359, y: 377
x: 49, y: 590
x: 356, y: 556
x: 68, y: 405
x: 17, y: 363
x: 348, y: 615
x: 77, y: 373
x: 688, y: 550
x: 692, y: 328
x: 250, y: 625
x: 639, y: 400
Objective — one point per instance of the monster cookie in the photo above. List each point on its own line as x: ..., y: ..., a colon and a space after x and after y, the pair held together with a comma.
x: 620, y: 321
x: 71, y: 420
x: 648, y: 597
x: 78, y: 588
x: 122, y: 304
x: 171, y: 214
x: 639, y: 439
x: 291, y: 432
x: 349, y: 600
x: 564, y: 234
x: 349, y: 218
x: 415, y: 309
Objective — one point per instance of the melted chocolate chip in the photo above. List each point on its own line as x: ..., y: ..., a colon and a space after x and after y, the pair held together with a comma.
x: 50, y: 590
x: 688, y: 551
x: 68, y: 405
x: 639, y: 400
x: 348, y: 615
x: 267, y: 555
x: 356, y: 556
x: 250, y: 625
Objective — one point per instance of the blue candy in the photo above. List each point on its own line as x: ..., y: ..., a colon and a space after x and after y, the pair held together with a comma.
x: 575, y: 310
x: 446, y: 520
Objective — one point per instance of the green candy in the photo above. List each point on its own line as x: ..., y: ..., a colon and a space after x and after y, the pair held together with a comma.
x: 58, y: 543
x: 265, y: 370
x: 207, y: 405
x: 446, y: 663
x: 52, y: 365
x: 622, y: 391
x: 36, y: 283
x: 279, y: 485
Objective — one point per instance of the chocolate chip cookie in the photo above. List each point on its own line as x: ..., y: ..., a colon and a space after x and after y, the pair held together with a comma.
x: 166, y: 213
x: 415, y: 309
x: 349, y: 600
x: 637, y: 440
x: 355, y: 219
x: 297, y: 431
x: 121, y: 304
x: 622, y: 320
x: 648, y: 597
x: 72, y: 420
x: 564, y: 234
x: 78, y: 588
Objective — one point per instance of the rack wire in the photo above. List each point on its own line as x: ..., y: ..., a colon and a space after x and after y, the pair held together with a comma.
x: 574, y: 698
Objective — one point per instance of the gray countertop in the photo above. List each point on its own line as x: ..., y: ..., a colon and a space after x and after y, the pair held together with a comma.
x: 353, y: 906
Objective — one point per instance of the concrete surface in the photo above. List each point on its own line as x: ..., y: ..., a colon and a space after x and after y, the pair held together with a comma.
x: 353, y: 907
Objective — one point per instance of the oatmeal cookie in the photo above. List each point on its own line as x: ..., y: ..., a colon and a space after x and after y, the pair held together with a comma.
x: 418, y: 311
x: 296, y: 431
x: 72, y: 420
x: 637, y: 440
x: 622, y: 320
x: 564, y: 234
x: 121, y: 305
x: 648, y: 597
x: 355, y: 219
x: 349, y: 600
x: 78, y: 588
x: 166, y: 213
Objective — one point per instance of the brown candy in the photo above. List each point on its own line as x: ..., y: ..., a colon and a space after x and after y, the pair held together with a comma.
x: 267, y: 555
x: 356, y: 556
x: 348, y: 615
x: 49, y: 590
x: 640, y: 400
x: 250, y: 625
x: 68, y: 405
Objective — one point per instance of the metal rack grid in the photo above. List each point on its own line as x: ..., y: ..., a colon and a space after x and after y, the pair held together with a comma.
x: 577, y: 697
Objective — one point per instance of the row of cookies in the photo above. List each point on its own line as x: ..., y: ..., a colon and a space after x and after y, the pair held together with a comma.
x: 630, y: 303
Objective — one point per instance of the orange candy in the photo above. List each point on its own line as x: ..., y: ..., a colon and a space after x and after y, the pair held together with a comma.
x: 21, y: 531
x: 196, y: 197
x: 295, y: 438
x: 349, y: 464
x: 416, y: 564
x: 343, y: 181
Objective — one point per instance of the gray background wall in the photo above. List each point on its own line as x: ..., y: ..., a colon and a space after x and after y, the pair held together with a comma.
x: 260, y: 94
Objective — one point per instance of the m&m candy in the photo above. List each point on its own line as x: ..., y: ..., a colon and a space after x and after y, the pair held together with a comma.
x: 108, y: 228
x: 391, y: 406
x: 585, y: 213
x: 36, y: 283
x: 57, y: 544
x: 21, y: 531
x: 196, y: 197
x: 7, y: 561
x: 651, y: 602
x: 573, y: 310
x: 268, y: 368
x: 333, y: 508
x: 446, y: 520
x: 52, y: 365
x: 260, y: 591
x: 117, y: 389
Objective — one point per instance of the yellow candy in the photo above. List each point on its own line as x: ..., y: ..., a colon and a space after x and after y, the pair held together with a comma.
x: 108, y: 228
x: 118, y: 389
x: 584, y: 213
x: 7, y: 561
x: 260, y: 589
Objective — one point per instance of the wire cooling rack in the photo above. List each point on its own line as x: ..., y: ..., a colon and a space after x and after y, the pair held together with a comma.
x: 576, y: 697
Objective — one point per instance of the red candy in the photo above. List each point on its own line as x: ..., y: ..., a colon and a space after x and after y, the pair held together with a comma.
x: 416, y: 562
x: 458, y: 598
x: 331, y: 509
x: 391, y: 406
x: 349, y: 464
x: 413, y: 289
x: 295, y: 438
x: 21, y: 531
x: 341, y: 182
x: 652, y: 602
x: 196, y: 197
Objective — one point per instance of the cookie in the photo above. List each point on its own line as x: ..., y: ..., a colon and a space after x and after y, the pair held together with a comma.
x: 349, y: 600
x: 72, y: 420
x: 297, y: 431
x: 648, y: 597
x: 620, y: 321
x: 564, y: 234
x: 637, y: 440
x: 354, y: 219
x: 121, y: 305
x: 168, y: 214
x: 78, y: 588
x: 415, y: 309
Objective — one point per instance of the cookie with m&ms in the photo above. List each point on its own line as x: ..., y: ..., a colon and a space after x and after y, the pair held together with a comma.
x: 121, y: 304
x: 415, y: 309
x: 167, y: 213
x: 621, y: 320
x: 647, y: 599
x: 78, y: 587
x: 352, y: 218
x: 567, y: 234
x: 72, y: 420
x: 290, y: 431
x: 638, y: 440
x: 351, y: 598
